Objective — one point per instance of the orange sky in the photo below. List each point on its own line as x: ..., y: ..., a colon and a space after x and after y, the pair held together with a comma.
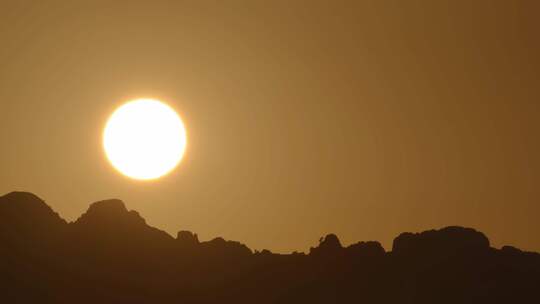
x: 362, y: 118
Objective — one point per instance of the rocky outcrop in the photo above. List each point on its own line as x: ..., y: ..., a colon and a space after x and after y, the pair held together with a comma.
x: 328, y: 245
x: 110, y: 212
x: 229, y: 249
x: 366, y: 249
x: 448, y: 240
x: 187, y: 238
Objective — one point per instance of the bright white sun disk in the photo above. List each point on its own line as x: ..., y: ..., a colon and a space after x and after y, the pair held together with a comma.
x: 144, y: 139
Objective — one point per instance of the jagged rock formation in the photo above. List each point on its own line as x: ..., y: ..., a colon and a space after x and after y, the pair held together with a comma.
x: 187, y: 238
x: 110, y: 255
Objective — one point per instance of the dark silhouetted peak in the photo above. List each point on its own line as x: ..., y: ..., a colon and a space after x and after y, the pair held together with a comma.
x: 24, y: 202
x: 219, y: 241
x: 29, y: 226
x: 112, y: 206
x: 329, y: 244
x: 366, y: 249
x: 110, y: 222
x: 264, y: 252
x: 110, y: 212
x: 226, y: 248
x: 330, y: 241
x: 187, y: 238
x: 511, y: 250
x: 450, y: 239
x: 22, y: 197
x: 26, y: 209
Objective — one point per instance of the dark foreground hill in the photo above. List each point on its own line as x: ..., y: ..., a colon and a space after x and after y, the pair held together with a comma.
x: 110, y: 255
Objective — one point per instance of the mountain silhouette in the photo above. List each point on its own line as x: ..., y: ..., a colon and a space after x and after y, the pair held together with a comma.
x: 111, y: 255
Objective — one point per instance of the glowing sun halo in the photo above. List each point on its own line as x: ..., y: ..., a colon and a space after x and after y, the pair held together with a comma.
x: 144, y: 139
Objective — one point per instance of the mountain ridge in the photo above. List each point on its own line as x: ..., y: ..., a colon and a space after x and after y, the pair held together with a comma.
x: 110, y: 254
x: 114, y: 209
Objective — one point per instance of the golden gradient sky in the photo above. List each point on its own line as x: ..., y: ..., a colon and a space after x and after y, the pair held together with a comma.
x: 362, y: 118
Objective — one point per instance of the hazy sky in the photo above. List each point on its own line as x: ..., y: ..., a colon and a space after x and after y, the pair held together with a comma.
x: 361, y: 118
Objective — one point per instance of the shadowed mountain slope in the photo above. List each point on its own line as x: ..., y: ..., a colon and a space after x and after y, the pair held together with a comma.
x: 110, y: 255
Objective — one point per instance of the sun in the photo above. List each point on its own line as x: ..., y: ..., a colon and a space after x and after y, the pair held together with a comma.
x: 144, y: 139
